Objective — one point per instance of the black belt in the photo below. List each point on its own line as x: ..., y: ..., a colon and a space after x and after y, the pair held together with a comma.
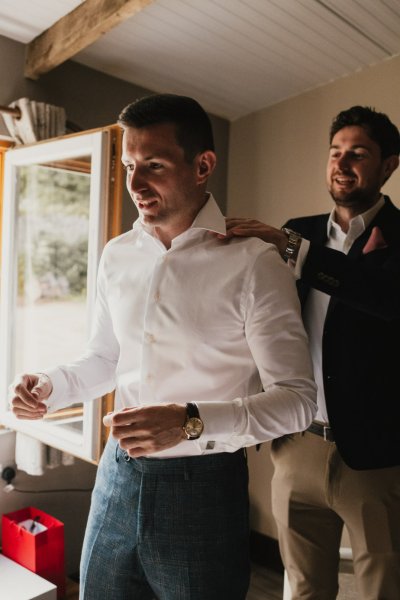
x: 322, y: 430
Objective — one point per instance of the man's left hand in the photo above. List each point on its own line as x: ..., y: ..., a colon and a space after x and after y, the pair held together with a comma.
x: 148, y: 429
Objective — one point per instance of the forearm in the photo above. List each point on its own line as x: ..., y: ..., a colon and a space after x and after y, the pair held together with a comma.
x: 88, y: 378
x: 279, y: 410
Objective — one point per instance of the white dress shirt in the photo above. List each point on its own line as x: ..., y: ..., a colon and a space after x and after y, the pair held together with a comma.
x: 317, y: 302
x: 206, y: 321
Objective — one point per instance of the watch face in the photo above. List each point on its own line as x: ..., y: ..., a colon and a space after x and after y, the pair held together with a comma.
x: 194, y: 427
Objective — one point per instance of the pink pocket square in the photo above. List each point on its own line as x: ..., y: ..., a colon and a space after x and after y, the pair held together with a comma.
x: 376, y: 241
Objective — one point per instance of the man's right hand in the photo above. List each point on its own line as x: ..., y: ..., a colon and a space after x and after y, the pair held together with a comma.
x: 28, y: 394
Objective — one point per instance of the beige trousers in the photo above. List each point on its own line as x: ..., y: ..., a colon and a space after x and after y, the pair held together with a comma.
x: 313, y: 494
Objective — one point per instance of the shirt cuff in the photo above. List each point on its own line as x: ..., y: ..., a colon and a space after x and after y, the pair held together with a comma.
x: 58, y: 397
x: 218, y: 419
x: 297, y: 264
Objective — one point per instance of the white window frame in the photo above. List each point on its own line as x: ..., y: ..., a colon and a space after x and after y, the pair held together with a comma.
x: 85, y: 445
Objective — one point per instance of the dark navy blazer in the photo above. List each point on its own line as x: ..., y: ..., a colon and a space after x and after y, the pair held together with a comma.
x: 361, y: 338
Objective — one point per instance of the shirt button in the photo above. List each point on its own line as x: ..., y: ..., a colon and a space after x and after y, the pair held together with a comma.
x: 157, y: 297
x: 149, y: 337
x: 149, y: 378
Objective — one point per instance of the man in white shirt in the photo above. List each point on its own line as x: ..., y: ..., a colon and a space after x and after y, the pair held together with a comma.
x: 345, y: 469
x: 206, y: 350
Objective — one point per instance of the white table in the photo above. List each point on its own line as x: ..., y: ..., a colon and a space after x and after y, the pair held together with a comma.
x: 18, y: 583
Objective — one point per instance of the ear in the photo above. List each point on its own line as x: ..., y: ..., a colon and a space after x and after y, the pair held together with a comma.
x: 390, y: 164
x: 206, y: 162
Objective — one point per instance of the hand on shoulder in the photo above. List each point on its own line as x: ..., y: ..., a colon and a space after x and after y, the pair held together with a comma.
x: 252, y: 228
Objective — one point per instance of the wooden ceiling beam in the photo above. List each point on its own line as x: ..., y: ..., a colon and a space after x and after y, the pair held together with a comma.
x: 75, y: 31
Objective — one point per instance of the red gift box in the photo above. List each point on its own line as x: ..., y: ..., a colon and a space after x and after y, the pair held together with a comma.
x: 41, y: 552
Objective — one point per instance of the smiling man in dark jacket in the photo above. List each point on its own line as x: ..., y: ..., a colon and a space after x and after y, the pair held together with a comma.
x: 345, y: 468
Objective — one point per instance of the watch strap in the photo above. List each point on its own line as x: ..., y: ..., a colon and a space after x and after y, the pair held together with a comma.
x: 293, y: 244
x: 192, y: 410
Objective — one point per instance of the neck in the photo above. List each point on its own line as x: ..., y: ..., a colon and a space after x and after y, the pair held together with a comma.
x: 343, y: 217
x: 166, y: 232
x: 344, y: 214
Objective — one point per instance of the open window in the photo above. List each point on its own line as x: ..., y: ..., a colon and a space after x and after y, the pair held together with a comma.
x: 61, y: 203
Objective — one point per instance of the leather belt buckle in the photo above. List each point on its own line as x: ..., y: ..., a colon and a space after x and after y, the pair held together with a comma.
x: 324, y: 431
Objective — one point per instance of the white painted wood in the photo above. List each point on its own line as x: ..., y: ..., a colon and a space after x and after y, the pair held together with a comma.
x: 234, y: 56
x: 83, y: 441
x: 18, y: 583
x: 287, y: 592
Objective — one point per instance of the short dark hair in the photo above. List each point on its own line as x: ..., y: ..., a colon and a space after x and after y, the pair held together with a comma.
x: 192, y: 125
x: 377, y: 125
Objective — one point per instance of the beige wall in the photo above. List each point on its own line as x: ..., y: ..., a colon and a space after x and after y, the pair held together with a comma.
x: 277, y: 170
x: 91, y: 99
x: 277, y: 156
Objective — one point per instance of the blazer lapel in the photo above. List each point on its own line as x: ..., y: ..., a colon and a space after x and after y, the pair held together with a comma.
x: 385, y: 219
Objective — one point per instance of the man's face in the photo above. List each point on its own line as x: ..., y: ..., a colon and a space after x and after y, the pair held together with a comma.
x: 355, y: 170
x: 165, y: 188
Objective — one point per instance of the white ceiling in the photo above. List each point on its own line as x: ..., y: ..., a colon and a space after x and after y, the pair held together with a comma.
x: 233, y: 56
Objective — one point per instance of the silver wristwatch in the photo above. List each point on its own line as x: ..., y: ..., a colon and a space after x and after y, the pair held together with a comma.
x: 293, y: 244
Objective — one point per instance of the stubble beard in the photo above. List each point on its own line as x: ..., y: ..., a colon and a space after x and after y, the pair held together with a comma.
x: 357, y: 200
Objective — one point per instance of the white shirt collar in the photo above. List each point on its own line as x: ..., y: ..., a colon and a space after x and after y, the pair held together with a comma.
x: 209, y: 218
x: 357, y: 226
x: 360, y: 221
